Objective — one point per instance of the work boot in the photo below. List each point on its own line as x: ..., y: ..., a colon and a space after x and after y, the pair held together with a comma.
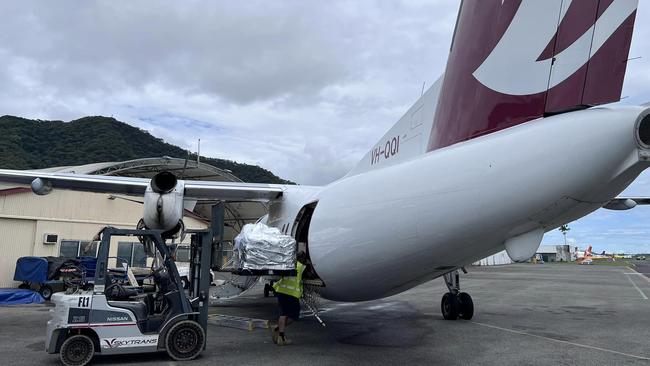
x: 283, y: 341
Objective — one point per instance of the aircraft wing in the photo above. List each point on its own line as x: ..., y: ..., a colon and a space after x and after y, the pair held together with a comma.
x: 231, y: 191
x: 626, y: 203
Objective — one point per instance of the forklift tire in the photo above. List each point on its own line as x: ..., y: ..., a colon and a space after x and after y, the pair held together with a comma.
x: 77, y: 350
x: 46, y: 292
x: 185, y: 340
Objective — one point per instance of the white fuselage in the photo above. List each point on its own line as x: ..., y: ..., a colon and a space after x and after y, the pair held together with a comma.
x: 381, y: 232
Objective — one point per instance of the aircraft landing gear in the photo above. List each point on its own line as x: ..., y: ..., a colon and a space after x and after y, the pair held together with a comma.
x: 454, y: 303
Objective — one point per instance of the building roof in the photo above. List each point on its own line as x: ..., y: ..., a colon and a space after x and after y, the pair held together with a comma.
x: 148, y: 167
x: 14, y: 190
x: 237, y: 213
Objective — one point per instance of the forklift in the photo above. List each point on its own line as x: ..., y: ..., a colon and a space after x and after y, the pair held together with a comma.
x: 113, y: 318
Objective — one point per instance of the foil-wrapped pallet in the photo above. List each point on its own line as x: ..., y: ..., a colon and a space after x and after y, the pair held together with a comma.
x: 261, y: 247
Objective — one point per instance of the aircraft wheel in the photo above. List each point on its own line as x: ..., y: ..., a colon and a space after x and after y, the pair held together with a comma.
x: 77, y: 350
x: 185, y: 340
x: 449, y: 306
x: 466, y: 306
x: 46, y: 292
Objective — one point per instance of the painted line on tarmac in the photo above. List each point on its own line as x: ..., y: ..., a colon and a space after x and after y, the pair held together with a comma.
x: 635, y: 272
x: 636, y: 287
x: 561, y: 341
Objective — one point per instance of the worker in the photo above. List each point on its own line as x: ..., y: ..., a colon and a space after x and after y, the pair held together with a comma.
x: 288, y: 290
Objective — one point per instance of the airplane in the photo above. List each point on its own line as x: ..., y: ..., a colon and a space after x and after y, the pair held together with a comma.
x: 518, y: 137
x: 588, y: 257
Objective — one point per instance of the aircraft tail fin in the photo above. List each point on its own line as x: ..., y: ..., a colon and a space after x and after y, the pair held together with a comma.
x: 513, y: 61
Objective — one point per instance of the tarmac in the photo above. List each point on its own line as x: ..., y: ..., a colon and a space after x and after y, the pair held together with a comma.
x: 525, y: 314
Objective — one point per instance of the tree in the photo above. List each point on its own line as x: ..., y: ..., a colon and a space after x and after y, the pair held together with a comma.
x: 564, y: 229
x: 37, y: 144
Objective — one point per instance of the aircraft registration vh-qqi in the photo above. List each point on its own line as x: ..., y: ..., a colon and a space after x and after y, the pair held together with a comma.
x: 469, y: 170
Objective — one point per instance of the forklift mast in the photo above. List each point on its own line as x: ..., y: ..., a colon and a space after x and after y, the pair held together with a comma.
x: 200, y: 261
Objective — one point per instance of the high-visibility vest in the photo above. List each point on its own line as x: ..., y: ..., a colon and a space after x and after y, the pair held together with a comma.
x: 291, y: 286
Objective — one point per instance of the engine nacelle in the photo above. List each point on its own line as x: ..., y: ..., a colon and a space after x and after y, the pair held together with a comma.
x: 163, y: 202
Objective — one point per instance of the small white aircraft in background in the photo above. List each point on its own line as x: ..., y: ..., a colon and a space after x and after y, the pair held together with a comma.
x: 587, y: 256
x: 583, y: 257
x: 514, y: 140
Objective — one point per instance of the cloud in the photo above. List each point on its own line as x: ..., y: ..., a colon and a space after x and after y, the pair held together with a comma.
x: 612, y: 231
x: 301, y: 88
x: 288, y: 85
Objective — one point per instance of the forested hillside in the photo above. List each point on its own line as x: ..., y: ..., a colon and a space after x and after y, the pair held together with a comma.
x: 34, y: 144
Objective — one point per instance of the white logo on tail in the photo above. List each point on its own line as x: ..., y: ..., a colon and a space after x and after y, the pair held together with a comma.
x: 512, y: 67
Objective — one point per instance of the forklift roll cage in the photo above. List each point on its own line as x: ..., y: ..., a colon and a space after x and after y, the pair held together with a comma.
x: 201, y: 250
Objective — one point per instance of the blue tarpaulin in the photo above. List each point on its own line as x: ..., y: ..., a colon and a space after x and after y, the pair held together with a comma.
x: 89, y: 264
x: 31, y: 269
x: 14, y: 296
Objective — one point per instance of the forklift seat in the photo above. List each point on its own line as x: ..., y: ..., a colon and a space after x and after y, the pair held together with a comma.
x: 118, y: 292
x: 139, y: 309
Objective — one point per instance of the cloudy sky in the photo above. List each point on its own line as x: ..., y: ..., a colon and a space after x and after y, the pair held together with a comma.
x: 303, y: 88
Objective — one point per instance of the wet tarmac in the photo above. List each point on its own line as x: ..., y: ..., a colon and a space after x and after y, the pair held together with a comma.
x: 548, y: 314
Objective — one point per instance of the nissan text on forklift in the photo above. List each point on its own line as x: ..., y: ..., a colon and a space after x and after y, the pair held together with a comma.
x: 112, y: 318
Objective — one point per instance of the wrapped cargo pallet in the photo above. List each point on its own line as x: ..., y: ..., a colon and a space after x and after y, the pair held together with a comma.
x: 261, y: 247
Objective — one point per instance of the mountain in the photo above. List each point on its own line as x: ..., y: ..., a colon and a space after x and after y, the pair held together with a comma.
x: 35, y: 144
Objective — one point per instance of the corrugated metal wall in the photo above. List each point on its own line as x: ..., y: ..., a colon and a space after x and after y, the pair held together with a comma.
x: 16, y: 240
x: 495, y: 260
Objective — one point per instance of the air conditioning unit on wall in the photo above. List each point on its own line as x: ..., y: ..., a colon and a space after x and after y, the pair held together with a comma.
x: 50, y: 239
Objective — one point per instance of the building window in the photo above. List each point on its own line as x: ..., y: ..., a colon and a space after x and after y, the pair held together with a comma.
x: 88, y: 248
x: 78, y: 248
x: 132, y: 254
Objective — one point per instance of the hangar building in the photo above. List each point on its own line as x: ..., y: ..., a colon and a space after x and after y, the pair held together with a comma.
x: 554, y: 253
x: 547, y: 253
x: 64, y: 222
